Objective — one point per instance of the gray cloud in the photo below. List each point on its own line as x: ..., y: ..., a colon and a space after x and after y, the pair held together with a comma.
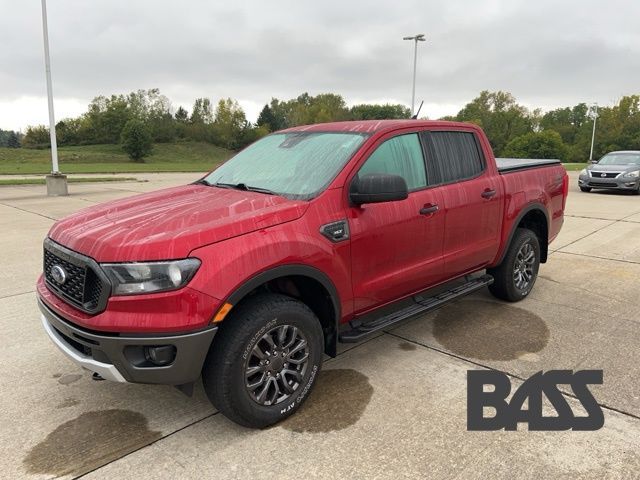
x: 546, y: 53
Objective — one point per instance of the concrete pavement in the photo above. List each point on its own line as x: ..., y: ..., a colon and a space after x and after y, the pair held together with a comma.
x: 391, y: 407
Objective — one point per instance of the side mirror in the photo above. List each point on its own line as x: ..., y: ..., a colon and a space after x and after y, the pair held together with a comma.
x: 378, y: 188
x: 593, y: 161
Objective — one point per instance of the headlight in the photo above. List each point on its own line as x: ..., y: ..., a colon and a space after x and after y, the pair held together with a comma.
x: 133, y: 278
x: 583, y: 171
x: 634, y: 174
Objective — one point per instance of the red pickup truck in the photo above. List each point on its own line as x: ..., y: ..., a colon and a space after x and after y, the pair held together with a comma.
x: 310, y: 236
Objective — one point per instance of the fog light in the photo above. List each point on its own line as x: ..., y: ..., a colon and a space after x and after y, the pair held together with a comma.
x: 160, y: 355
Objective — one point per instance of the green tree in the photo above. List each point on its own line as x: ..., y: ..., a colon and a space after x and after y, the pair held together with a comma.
x: 267, y: 119
x: 229, y: 124
x: 499, y: 115
x: 181, y: 115
x: 274, y: 115
x: 202, y: 111
x: 545, y: 144
x: 379, y: 112
x: 36, y: 137
x: 13, y: 141
x: 136, y: 140
x: 68, y: 131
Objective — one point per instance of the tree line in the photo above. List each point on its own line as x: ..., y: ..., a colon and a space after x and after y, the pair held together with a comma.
x: 138, y: 119
x: 564, y: 133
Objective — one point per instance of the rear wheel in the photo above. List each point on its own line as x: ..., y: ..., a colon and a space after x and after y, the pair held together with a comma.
x: 264, y: 360
x: 585, y: 189
x: 515, y: 276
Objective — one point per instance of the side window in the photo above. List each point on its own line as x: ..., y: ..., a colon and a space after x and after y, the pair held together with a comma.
x: 401, y: 155
x: 455, y: 156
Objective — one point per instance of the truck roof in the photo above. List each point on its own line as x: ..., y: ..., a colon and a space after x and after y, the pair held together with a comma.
x: 373, y: 126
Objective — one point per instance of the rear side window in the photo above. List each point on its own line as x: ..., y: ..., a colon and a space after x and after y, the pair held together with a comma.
x: 402, y: 156
x: 455, y: 156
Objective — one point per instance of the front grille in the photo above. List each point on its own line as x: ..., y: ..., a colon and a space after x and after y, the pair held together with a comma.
x: 604, y: 174
x: 84, y: 286
x: 603, y: 184
x: 73, y: 287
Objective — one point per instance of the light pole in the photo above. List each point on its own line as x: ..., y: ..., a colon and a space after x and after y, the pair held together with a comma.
x: 594, y: 114
x: 56, y: 182
x: 416, y: 38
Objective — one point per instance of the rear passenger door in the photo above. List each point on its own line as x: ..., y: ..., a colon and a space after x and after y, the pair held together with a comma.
x: 472, y: 198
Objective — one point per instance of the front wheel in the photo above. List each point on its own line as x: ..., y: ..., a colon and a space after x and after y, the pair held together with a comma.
x: 515, y: 276
x: 585, y: 189
x: 264, y: 360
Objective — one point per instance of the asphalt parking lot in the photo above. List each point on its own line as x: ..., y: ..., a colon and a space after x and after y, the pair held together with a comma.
x: 391, y: 407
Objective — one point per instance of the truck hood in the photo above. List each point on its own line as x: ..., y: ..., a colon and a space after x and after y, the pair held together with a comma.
x: 170, y: 223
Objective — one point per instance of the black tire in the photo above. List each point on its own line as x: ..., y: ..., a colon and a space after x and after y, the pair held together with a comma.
x: 585, y: 189
x: 505, y: 285
x: 244, y: 334
x: 637, y: 191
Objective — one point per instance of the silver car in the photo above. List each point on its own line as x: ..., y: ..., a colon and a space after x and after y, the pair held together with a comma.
x: 615, y: 171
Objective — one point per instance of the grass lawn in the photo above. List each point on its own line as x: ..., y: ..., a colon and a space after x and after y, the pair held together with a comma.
x: 167, y: 157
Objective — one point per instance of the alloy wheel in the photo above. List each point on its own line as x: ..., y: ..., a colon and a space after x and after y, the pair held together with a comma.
x: 276, y: 365
x: 523, y: 269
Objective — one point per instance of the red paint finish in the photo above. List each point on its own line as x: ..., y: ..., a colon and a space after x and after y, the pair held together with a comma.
x: 176, y: 311
x: 168, y: 224
x: 393, y: 250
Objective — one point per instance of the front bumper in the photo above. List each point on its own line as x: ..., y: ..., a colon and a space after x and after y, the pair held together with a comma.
x: 609, y: 183
x: 122, y: 358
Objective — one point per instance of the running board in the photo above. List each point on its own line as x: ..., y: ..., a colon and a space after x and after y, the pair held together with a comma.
x: 420, y: 305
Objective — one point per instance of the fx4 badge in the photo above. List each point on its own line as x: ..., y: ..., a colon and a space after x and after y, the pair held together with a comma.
x: 509, y: 413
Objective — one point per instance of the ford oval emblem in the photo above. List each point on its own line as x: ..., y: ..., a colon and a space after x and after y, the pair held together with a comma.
x: 58, y: 274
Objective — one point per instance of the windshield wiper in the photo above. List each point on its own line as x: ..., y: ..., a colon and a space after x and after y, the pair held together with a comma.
x: 202, y: 181
x: 245, y: 187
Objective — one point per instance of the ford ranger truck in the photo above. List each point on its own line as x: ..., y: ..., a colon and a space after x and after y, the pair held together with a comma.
x: 309, y: 237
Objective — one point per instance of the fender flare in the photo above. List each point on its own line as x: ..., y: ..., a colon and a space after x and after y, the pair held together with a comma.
x: 529, y: 208
x: 295, y: 270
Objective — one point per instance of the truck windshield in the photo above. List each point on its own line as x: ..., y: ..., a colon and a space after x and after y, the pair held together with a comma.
x: 296, y: 165
x: 620, y: 159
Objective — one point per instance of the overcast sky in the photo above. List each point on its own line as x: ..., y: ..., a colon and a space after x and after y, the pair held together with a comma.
x: 547, y: 53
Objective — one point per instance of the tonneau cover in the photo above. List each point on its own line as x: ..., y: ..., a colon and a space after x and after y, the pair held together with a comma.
x: 513, y: 164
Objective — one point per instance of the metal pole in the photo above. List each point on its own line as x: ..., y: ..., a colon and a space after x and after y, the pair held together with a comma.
x: 47, y: 63
x: 413, y: 90
x: 593, y: 133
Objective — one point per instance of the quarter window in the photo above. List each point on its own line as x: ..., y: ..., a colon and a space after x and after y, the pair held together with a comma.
x: 456, y: 156
x: 401, y: 155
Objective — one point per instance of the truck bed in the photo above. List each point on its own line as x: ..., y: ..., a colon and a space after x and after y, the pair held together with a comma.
x: 506, y: 165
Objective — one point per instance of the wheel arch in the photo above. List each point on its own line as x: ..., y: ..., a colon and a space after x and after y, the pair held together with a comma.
x: 305, y: 283
x: 535, y: 218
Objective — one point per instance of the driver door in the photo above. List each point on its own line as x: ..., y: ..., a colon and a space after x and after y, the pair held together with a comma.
x: 396, y: 247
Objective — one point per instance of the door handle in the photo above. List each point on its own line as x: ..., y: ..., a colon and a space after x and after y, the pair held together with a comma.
x: 488, y: 193
x: 428, y: 209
